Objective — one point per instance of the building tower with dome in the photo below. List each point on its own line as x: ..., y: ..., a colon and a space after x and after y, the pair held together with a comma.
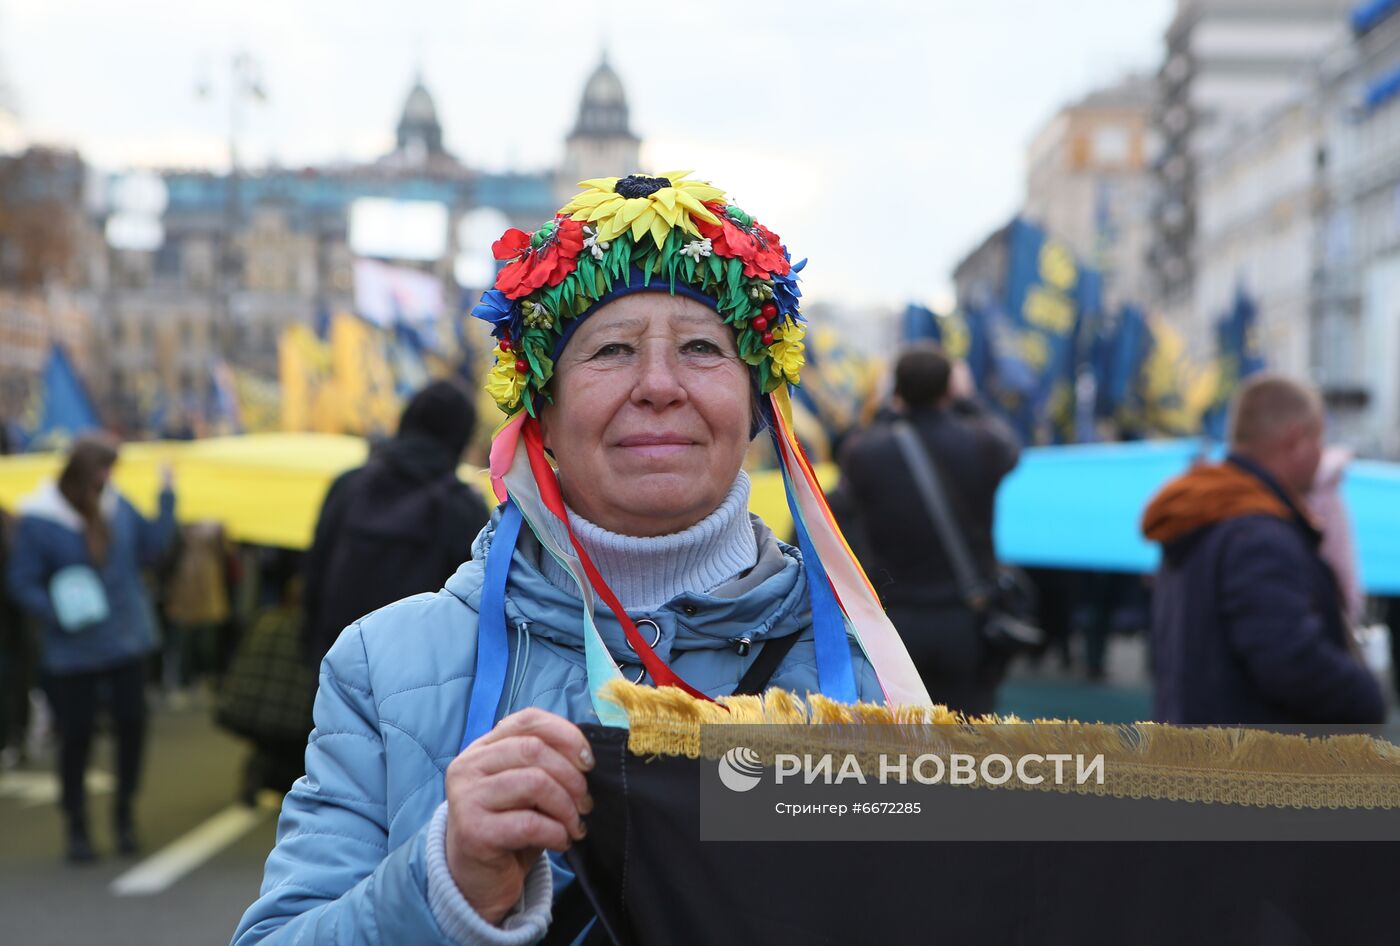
x: 601, y: 143
x: 418, y: 137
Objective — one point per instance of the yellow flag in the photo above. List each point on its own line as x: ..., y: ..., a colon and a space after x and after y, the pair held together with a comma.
x: 304, y: 369
x: 364, y: 382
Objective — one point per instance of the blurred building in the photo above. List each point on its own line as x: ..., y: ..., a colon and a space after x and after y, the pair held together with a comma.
x: 41, y: 215
x: 1088, y: 183
x: 43, y: 234
x: 222, y: 263
x: 1301, y: 209
x: 1227, y: 62
x: 1257, y: 231
x: 1358, y: 320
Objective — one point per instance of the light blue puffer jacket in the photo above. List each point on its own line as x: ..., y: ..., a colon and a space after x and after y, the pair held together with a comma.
x: 349, y: 865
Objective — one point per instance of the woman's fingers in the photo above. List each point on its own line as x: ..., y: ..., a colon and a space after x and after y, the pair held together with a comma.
x: 523, y: 830
x: 566, y: 738
x: 524, y: 789
x: 530, y: 751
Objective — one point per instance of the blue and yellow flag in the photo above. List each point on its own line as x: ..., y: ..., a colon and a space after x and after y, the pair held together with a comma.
x: 1025, y: 332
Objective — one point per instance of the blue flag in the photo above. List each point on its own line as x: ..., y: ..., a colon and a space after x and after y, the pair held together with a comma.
x: 1239, y: 354
x: 979, y: 344
x: 919, y: 324
x: 63, y: 410
x: 1119, y: 352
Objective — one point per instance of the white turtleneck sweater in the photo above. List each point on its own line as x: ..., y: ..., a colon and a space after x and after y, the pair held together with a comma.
x: 646, y: 572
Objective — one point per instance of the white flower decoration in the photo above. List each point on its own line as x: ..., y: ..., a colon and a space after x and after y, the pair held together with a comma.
x: 697, y: 249
x: 593, y: 244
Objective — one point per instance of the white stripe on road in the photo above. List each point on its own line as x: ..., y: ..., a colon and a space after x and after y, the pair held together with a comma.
x: 163, y: 868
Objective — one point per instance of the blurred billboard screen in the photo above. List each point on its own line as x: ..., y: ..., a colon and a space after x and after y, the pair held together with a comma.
x: 398, y: 229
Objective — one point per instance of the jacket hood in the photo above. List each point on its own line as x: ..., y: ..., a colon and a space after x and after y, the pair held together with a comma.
x: 769, y: 601
x: 417, y: 457
x: 1208, y: 494
x: 48, y: 503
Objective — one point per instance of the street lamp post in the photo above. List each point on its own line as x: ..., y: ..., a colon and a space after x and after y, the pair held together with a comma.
x: 246, y: 86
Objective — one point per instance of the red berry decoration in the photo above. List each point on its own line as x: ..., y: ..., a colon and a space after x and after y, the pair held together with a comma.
x: 760, y: 323
x: 505, y: 344
x: 767, y: 338
x: 521, y: 366
x: 769, y: 310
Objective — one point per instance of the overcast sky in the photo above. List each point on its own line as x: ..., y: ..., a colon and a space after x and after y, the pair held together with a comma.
x: 882, y: 139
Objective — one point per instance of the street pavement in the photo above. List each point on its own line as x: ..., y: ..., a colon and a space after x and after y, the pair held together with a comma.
x: 192, y: 779
x: 1048, y: 690
x: 203, y: 852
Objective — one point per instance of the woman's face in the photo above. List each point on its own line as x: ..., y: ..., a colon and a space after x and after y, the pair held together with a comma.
x: 651, y: 414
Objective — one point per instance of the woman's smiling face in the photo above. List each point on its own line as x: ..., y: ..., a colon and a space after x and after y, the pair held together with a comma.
x: 651, y: 414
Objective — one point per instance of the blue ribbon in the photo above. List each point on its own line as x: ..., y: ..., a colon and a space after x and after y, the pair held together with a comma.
x: 835, y: 673
x: 492, y: 645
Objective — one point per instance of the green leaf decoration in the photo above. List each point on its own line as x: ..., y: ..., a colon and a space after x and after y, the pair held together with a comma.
x: 734, y: 274
x: 551, y: 296
x: 689, y: 266
x: 619, y: 257
x: 541, y: 367
x: 716, y: 266
x: 585, y: 271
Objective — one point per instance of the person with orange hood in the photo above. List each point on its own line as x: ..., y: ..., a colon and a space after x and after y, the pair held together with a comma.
x: 1248, y: 623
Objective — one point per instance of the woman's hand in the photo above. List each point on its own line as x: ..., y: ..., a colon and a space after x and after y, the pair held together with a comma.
x: 513, y: 793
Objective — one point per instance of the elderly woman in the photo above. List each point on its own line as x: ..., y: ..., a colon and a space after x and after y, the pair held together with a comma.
x: 646, y: 334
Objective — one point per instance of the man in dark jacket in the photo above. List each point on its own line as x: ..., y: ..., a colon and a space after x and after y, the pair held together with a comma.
x: 900, y: 548
x: 1247, y: 623
x: 397, y: 526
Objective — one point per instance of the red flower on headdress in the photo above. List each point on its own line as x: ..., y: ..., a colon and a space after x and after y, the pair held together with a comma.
x: 538, y: 259
x: 739, y: 235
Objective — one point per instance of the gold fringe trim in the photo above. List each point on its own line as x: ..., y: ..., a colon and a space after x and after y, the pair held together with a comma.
x: 1232, y: 766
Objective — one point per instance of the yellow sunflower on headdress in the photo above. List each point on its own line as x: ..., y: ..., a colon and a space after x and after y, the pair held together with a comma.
x: 644, y: 205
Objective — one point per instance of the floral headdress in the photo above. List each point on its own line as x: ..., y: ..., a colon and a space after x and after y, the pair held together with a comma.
x: 628, y: 234
x: 660, y: 234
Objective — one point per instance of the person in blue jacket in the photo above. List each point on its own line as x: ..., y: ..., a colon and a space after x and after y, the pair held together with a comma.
x: 446, y: 757
x: 75, y: 568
